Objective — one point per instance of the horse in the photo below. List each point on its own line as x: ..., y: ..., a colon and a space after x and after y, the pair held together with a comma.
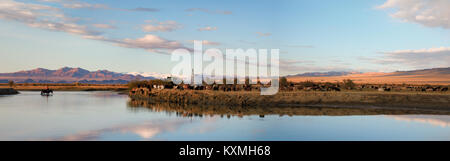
x: 46, y: 92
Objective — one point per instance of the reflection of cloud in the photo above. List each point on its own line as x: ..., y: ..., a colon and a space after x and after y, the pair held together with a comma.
x: 208, y: 124
x: 107, y: 94
x: 147, y: 133
x: 443, y: 121
x: 145, y: 130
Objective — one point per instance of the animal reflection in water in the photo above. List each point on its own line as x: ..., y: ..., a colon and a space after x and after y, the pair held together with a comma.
x: 47, y: 92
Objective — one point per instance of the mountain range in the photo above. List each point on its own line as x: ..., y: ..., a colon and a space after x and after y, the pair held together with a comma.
x: 70, y: 75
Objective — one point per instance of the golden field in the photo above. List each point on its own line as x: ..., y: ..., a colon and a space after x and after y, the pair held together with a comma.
x: 381, y: 78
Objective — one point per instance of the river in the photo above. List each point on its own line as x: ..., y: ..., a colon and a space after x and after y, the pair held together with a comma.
x: 110, y: 116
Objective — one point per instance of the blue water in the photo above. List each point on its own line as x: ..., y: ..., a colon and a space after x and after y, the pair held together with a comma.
x: 106, y: 116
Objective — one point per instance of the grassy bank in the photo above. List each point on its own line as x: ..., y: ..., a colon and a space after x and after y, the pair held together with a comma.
x: 408, y: 100
x: 68, y: 87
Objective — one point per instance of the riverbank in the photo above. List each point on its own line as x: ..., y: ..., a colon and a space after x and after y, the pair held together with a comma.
x: 8, y: 91
x: 397, y: 100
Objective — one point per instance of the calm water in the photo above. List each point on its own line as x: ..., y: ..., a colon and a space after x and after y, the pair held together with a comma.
x: 108, y: 116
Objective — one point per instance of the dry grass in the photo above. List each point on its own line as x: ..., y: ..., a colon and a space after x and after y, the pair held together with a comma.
x: 380, y: 78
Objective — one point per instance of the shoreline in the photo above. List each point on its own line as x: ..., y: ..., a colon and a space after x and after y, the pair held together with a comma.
x: 125, y: 91
x: 8, y: 91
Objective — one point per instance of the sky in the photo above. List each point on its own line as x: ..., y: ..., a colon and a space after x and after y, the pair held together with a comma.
x: 138, y: 36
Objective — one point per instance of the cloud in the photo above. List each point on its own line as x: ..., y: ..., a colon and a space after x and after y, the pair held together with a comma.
x: 206, y: 42
x: 208, y: 11
x: 151, y: 43
x: 166, y: 26
x: 289, y: 65
x: 430, y: 13
x: 142, y: 9
x: 53, y: 19
x: 50, y: 0
x: 78, y: 5
x: 75, y: 4
x: 248, y: 42
x: 422, y: 58
x: 42, y: 16
x: 207, y: 28
x: 263, y: 34
x: 292, y: 66
x: 104, y: 26
x: 300, y: 46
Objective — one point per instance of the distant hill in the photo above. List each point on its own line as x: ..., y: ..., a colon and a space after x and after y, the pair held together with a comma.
x: 151, y: 74
x: 433, y: 71
x: 422, y: 76
x: 70, y: 75
x: 323, y: 74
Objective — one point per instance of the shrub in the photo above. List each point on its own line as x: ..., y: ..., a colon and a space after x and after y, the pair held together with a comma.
x: 283, y: 82
x: 349, y: 84
x: 148, y: 83
x: 308, y: 83
x: 135, y: 84
x: 11, y: 83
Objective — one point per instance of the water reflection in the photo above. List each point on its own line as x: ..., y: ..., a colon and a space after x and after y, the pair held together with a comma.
x: 144, y: 130
x: 442, y: 121
x: 136, y: 105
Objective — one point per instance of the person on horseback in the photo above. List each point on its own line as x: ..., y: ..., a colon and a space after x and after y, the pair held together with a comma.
x: 47, y: 91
